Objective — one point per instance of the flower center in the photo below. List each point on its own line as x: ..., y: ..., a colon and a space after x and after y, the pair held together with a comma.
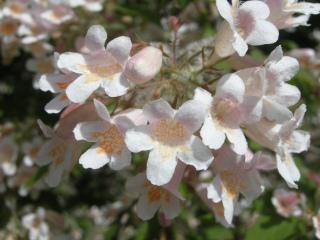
x: 8, y: 27
x: 169, y: 132
x: 244, y: 23
x: 225, y: 112
x: 229, y: 183
x: 111, y: 140
x: 16, y: 8
x: 156, y: 193
x: 57, y: 153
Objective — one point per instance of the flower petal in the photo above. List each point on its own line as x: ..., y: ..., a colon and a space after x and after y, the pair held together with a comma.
x: 225, y: 10
x: 101, y: 110
x: 137, y: 139
x: 211, y: 135
x: 94, y: 158
x: 158, y: 109
x: 145, y: 209
x: 161, y: 165
x: 95, y: 38
x: 86, y: 130
x: 171, y: 208
x: 116, y: 85
x: 288, y: 169
x: 196, y: 154
x: 120, y: 48
x: 238, y: 141
x: 57, y: 104
x: 72, y: 62
x: 263, y: 33
x: 119, y: 161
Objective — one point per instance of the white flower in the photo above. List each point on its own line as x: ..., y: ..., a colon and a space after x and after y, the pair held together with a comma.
x: 152, y: 198
x: 108, y: 136
x: 36, y: 225
x: 284, y: 12
x: 283, y: 139
x: 225, y: 112
x: 57, y: 14
x: 8, y: 155
x: 31, y: 150
x: 102, y: 67
x: 245, y: 24
x: 234, y: 175
x: 169, y: 135
x: 90, y: 5
x: 267, y: 86
x: 288, y: 203
x: 316, y: 224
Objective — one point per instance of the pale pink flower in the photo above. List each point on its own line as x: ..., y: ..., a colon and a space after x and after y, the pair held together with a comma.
x: 267, y: 86
x: 284, y: 12
x: 234, y: 175
x: 152, y: 198
x: 288, y: 203
x: 169, y: 136
x: 90, y: 5
x: 220, y: 121
x: 283, y: 139
x: 244, y: 24
x: 108, y: 135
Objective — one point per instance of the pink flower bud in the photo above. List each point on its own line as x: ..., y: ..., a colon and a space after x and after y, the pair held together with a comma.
x: 144, y: 65
x: 174, y: 23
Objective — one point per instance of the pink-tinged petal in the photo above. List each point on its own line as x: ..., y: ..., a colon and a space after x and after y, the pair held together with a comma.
x: 238, y: 141
x: 196, y: 154
x: 95, y: 38
x: 94, y: 158
x: 286, y: 94
x: 299, y: 141
x: 191, y: 114
x: 48, y: 82
x: 120, y: 161
x: 158, y: 109
x: 161, y: 165
x: 257, y: 9
x: 117, y: 85
x: 263, y: 33
x: 57, y: 104
x: 146, y: 209
x: 144, y: 65
x: 214, y: 190
x: 212, y: 136
x: 252, y: 109
x: 120, y: 48
x: 304, y: 8
x: 228, y: 205
x: 284, y: 69
x: 230, y: 85
x: 72, y: 62
x: 171, y: 208
x: 138, y: 139
x: 264, y: 161
x: 276, y: 55
x: 88, y: 130
x: 275, y: 111
x: 288, y: 169
x: 123, y: 123
x: 223, y: 43
x: 134, y: 114
x: 250, y: 185
x: 55, y: 174
x: 81, y: 89
x: 203, y: 96
x: 43, y: 157
x: 102, y: 111
x: 225, y: 10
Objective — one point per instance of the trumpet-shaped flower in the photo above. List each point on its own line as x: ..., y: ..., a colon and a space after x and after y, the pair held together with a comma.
x: 283, y: 139
x: 284, y: 12
x: 224, y: 114
x: 267, y: 85
x: 234, y: 175
x: 102, y: 67
x: 288, y: 203
x: 245, y: 24
x: 169, y: 135
x: 108, y: 136
x: 152, y: 198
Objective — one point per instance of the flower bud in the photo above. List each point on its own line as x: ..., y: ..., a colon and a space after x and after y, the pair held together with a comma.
x: 144, y: 65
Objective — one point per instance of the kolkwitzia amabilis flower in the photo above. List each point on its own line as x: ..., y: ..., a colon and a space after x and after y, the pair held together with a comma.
x: 288, y: 203
x: 268, y: 88
x: 8, y: 155
x: 316, y: 224
x: 245, y: 24
x: 234, y: 175
x: 90, y: 5
x: 62, y: 150
x: 57, y: 14
x: 36, y: 225
x: 283, y: 139
x: 102, y: 67
x: 108, y: 136
x: 152, y: 198
x: 284, y: 12
x: 224, y: 114
x: 169, y: 136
